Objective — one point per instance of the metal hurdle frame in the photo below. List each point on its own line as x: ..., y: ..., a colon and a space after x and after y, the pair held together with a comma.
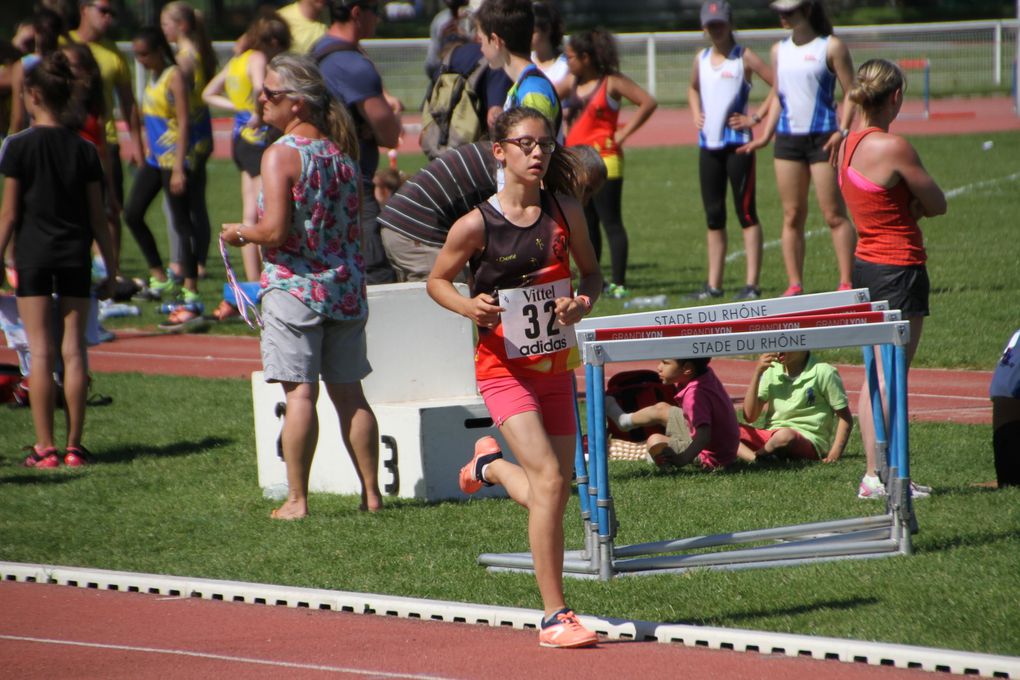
x: 855, y: 538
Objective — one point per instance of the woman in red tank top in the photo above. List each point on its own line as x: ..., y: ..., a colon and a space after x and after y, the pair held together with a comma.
x: 520, y: 244
x: 887, y: 191
x: 597, y: 92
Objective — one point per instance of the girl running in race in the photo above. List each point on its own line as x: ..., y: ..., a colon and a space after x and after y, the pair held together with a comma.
x: 236, y: 88
x: 718, y: 94
x: 53, y: 209
x: 184, y: 26
x: 596, y: 95
x: 808, y: 132
x: 519, y: 245
x: 888, y: 191
x: 168, y: 166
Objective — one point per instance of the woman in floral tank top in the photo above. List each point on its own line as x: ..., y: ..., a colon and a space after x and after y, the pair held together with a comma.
x: 314, y: 301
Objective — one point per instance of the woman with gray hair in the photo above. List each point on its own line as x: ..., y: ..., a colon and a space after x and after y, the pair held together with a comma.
x: 314, y: 301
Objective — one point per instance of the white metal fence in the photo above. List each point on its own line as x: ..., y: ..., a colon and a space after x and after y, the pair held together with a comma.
x: 966, y: 57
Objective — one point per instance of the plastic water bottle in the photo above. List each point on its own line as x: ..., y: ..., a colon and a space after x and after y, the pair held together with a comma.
x: 98, y: 268
x: 275, y: 492
x: 645, y: 301
x: 109, y: 309
x: 194, y: 307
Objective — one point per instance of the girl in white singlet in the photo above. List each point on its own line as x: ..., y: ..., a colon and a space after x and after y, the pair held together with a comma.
x: 808, y: 132
x: 719, y: 90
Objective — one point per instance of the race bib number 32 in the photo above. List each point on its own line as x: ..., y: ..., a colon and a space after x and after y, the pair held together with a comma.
x: 529, y: 320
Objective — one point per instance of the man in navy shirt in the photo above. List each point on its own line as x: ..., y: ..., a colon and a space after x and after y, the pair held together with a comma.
x: 353, y: 79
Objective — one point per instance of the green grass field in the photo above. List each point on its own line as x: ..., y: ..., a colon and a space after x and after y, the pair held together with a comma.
x: 177, y: 490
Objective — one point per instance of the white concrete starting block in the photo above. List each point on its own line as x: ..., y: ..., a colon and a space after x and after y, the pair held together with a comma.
x: 422, y: 390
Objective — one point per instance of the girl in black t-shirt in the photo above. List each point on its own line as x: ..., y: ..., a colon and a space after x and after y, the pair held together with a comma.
x: 53, y: 208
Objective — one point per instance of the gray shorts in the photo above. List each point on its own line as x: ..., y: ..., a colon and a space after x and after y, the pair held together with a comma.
x: 301, y: 346
x: 676, y: 430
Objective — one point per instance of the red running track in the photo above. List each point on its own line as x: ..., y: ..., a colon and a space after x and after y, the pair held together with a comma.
x: 67, y: 632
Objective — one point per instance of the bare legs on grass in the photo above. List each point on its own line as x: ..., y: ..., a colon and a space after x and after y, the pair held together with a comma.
x: 793, y: 179
x: 37, y: 314
x: 358, y: 428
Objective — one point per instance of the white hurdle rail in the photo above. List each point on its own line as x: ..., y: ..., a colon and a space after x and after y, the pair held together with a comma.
x: 855, y: 538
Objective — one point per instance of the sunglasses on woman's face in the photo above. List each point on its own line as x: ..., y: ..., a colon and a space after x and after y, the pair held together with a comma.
x: 275, y: 94
x: 527, y: 143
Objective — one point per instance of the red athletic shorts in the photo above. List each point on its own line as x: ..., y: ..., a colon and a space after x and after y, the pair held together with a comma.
x: 551, y: 396
x: 800, y: 447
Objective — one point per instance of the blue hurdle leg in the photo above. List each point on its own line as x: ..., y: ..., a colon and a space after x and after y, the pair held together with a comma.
x: 873, y: 386
x: 891, y: 378
x: 900, y: 422
x: 593, y: 471
x: 580, y: 466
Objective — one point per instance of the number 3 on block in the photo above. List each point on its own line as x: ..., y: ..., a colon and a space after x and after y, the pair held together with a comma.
x: 529, y: 320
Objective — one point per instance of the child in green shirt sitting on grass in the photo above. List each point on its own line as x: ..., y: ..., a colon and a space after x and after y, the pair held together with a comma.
x: 807, y: 414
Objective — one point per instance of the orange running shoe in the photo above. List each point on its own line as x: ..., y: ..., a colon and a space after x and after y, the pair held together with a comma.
x: 486, y: 451
x: 566, y: 632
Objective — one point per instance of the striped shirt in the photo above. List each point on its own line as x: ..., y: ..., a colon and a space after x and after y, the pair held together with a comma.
x: 427, y: 205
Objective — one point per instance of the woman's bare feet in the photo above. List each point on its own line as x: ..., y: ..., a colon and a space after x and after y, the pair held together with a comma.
x: 291, y: 509
x: 370, y: 503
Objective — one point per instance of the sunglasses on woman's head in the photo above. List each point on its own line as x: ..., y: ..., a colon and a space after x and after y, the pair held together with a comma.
x: 527, y: 143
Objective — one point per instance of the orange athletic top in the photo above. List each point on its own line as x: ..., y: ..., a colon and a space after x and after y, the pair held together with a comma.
x: 887, y: 232
x: 531, y: 257
x: 596, y: 124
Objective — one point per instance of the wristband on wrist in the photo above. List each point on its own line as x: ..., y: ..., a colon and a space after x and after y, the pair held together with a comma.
x: 756, y: 118
x: 585, y: 302
x: 844, y: 132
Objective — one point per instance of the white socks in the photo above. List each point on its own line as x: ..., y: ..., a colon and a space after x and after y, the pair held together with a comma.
x: 616, y: 414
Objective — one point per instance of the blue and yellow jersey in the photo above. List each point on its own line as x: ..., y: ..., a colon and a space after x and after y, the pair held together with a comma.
x: 160, y: 120
x: 201, y: 138
x: 238, y: 88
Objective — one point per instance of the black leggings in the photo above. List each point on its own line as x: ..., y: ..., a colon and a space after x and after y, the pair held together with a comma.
x: 714, y: 167
x: 199, y: 217
x: 605, y: 207
x: 146, y: 187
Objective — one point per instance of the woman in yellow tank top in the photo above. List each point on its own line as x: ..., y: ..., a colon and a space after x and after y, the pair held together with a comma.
x: 183, y: 26
x: 169, y: 163
x: 236, y: 88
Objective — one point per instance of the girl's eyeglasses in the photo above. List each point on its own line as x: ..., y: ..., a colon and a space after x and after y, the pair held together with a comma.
x: 528, y: 143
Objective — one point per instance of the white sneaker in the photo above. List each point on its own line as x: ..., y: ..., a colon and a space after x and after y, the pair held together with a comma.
x: 871, y: 487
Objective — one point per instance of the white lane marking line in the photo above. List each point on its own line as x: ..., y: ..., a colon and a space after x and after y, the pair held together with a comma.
x: 959, y: 191
x: 952, y: 193
x: 175, y: 357
x: 224, y: 657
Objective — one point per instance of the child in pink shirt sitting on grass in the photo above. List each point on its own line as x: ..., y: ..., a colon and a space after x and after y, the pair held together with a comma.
x: 701, y: 427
